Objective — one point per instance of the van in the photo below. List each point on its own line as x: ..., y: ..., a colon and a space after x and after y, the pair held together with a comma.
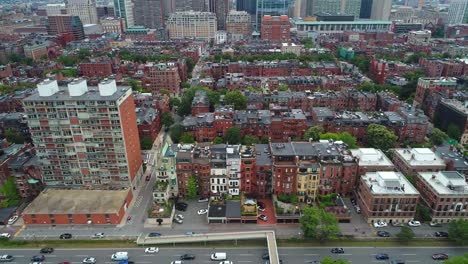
x: 218, y: 256
x: 119, y: 256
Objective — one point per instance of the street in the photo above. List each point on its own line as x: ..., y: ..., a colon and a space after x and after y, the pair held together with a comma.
x: 363, y: 255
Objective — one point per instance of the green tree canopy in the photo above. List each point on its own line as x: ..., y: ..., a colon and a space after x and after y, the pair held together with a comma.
x: 232, y: 136
x: 166, y: 119
x: 405, y: 234
x: 14, y: 136
x: 185, y: 107
x: 362, y: 62
x: 176, y: 133
x: 423, y: 213
x: 438, y: 136
x: 235, y: 98
x: 187, y: 139
x: 458, y: 231
x: 453, y: 131
x: 174, y: 101
x: 414, y: 58
x: 218, y: 140
x: 192, y: 188
x: 250, y: 140
x: 313, y: 133
x: 146, y: 143
x: 329, y: 260
x: 346, y: 137
x: 283, y: 88
x: 410, y: 88
x: 380, y: 137
x: 318, y: 224
x: 457, y: 260
x: 8, y: 189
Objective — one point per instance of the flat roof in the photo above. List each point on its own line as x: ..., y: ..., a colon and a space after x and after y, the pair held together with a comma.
x: 371, y: 157
x: 91, y: 95
x: 446, y: 182
x: 420, y: 157
x: 389, y: 182
x: 60, y: 201
x: 366, y: 22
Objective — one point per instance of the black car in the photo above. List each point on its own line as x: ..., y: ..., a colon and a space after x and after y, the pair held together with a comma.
x: 383, y: 234
x: 154, y: 234
x: 266, y: 256
x: 353, y: 201
x: 47, y: 250
x: 66, y: 236
x: 337, y: 250
x: 441, y: 234
x: 187, y: 257
x: 261, y: 204
x: 181, y: 206
x: 38, y: 258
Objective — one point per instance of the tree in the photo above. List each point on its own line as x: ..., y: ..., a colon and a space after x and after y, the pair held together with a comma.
x: 410, y: 88
x: 84, y: 53
x: 185, y: 107
x: 165, y: 91
x: 14, y: 136
x: 329, y: 135
x: 166, y: 119
x: 362, y: 62
x: 191, y: 188
x: 318, y: 224
x: 235, y: 98
x: 313, y: 133
x: 453, y: 131
x: 458, y: 231
x: 329, y: 260
x: 264, y: 140
x: 176, y: 133
x: 232, y: 136
x: 70, y: 72
x: 457, y: 260
x: 249, y: 140
x: 406, y: 234
x: 348, y: 139
x: 174, y: 101
x: 283, y: 88
x: 67, y: 61
x: 136, y: 86
x: 438, y: 136
x: 380, y: 137
x: 414, y: 58
x: 187, y: 139
x: 146, y: 143
x: 423, y: 213
x: 218, y: 140
x: 190, y: 65
x: 8, y: 189
x: 185, y: 85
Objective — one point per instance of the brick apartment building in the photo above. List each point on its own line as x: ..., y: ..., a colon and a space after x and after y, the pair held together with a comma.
x: 428, y: 88
x: 97, y: 67
x: 387, y: 196
x: 5, y: 71
x: 162, y: 76
x: 380, y: 70
x: 149, y: 122
x: 276, y: 28
x: 371, y: 160
x: 445, y: 193
x: 35, y: 51
x: 411, y: 161
x: 238, y: 25
x: 443, y: 68
x: 200, y: 103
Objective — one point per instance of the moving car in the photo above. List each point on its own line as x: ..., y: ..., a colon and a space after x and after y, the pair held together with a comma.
x: 434, y: 224
x: 190, y: 233
x: 441, y: 234
x: 337, y: 250
x: 218, y: 256
x: 46, y: 250
x: 89, y: 260
x: 397, y: 261
x: 117, y: 256
x: 177, y: 262
x: 381, y: 256
x: 13, y: 219
x: 178, y: 221
x: 226, y: 262
x: 148, y: 177
x: 179, y: 216
x: 151, y: 250
x: 154, y: 234
x: 187, y: 257
x: 266, y: 256
x: 414, y: 223
x: 66, y: 236
x: 203, y: 200
x: 6, y: 235
x: 440, y: 256
x: 38, y: 258
x: 6, y: 258
x: 202, y: 211
x: 383, y: 234
x: 263, y: 217
x: 380, y: 224
x: 98, y: 235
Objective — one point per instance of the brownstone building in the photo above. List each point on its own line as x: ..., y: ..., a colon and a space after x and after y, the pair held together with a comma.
x: 276, y: 28
x: 98, y: 67
x: 387, y: 196
x: 162, y: 76
x: 445, y: 193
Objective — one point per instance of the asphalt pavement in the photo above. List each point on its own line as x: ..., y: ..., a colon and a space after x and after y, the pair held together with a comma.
x: 360, y: 255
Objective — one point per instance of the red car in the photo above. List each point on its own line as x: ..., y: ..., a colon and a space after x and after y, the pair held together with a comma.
x: 129, y: 218
x: 439, y: 256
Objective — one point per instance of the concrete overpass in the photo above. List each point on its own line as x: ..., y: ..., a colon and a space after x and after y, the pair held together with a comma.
x: 144, y: 240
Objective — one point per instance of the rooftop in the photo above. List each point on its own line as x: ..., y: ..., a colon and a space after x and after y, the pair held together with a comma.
x: 262, y: 155
x: 388, y: 182
x: 359, y: 22
x: 419, y: 157
x: 371, y: 157
x: 447, y: 152
x: 55, y: 201
x: 446, y: 182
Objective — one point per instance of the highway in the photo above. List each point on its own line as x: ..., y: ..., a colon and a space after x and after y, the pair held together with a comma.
x: 361, y: 255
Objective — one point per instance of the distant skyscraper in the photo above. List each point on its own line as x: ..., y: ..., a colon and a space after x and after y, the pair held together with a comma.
x: 250, y: 6
x: 149, y: 13
x: 349, y: 7
x: 187, y: 5
x: 458, y: 12
x: 124, y: 9
x: 381, y: 10
x: 271, y: 8
x: 299, y: 8
x: 415, y: 3
x: 190, y: 24
x: 366, y: 8
x: 85, y: 9
x: 59, y: 24
x: 221, y: 9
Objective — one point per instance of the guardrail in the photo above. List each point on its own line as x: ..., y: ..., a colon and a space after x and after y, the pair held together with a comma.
x: 144, y: 240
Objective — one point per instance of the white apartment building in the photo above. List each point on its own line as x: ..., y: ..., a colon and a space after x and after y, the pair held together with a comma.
x: 190, y: 24
x: 85, y: 9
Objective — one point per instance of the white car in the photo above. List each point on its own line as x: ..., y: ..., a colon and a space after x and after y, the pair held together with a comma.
x: 414, y: 223
x: 181, y: 217
x: 89, y: 260
x: 12, y: 220
x: 7, y: 235
x: 151, y: 250
x: 380, y: 224
x: 177, y: 262
x: 98, y: 235
x: 226, y: 262
x: 202, y: 211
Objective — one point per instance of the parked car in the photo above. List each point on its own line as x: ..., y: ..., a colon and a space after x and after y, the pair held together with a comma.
x: 380, y: 224
x: 203, y: 200
x: 383, y: 234
x: 263, y: 217
x: 187, y: 257
x: 381, y: 256
x: 441, y: 234
x: 98, y: 235
x: 46, y: 250
x: 148, y: 177
x: 5, y: 235
x: 151, y: 250
x: 13, y: 219
x: 358, y: 209
x: 154, y: 234
x: 337, y: 250
x: 179, y: 221
x: 190, y: 233
x: 353, y: 201
x: 38, y: 258
x: 434, y: 224
x: 6, y: 258
x: 414, y: 223
x: 202, y: 211
x: 261, y: 204
x: 440, y: 256
x: 179, y: 216
x: 181, y: 206
x: 89, y: 260
x: 66, y: 236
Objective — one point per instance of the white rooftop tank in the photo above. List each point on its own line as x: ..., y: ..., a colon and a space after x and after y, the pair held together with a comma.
x: 78, y: 87
x: 107, y: 87
x: 47, y: 87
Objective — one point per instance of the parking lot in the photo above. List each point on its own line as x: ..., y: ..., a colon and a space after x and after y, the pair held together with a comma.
x: 193, y: 221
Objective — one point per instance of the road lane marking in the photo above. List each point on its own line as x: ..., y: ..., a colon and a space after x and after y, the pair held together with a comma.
x: 244, y: 261
x: 245, y: 254
x: 18, y: 256
x: 81, y: 255
x: 409, y: 254
x: 413, y: 261
x: 347, y: 254
x: 311, y: 254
